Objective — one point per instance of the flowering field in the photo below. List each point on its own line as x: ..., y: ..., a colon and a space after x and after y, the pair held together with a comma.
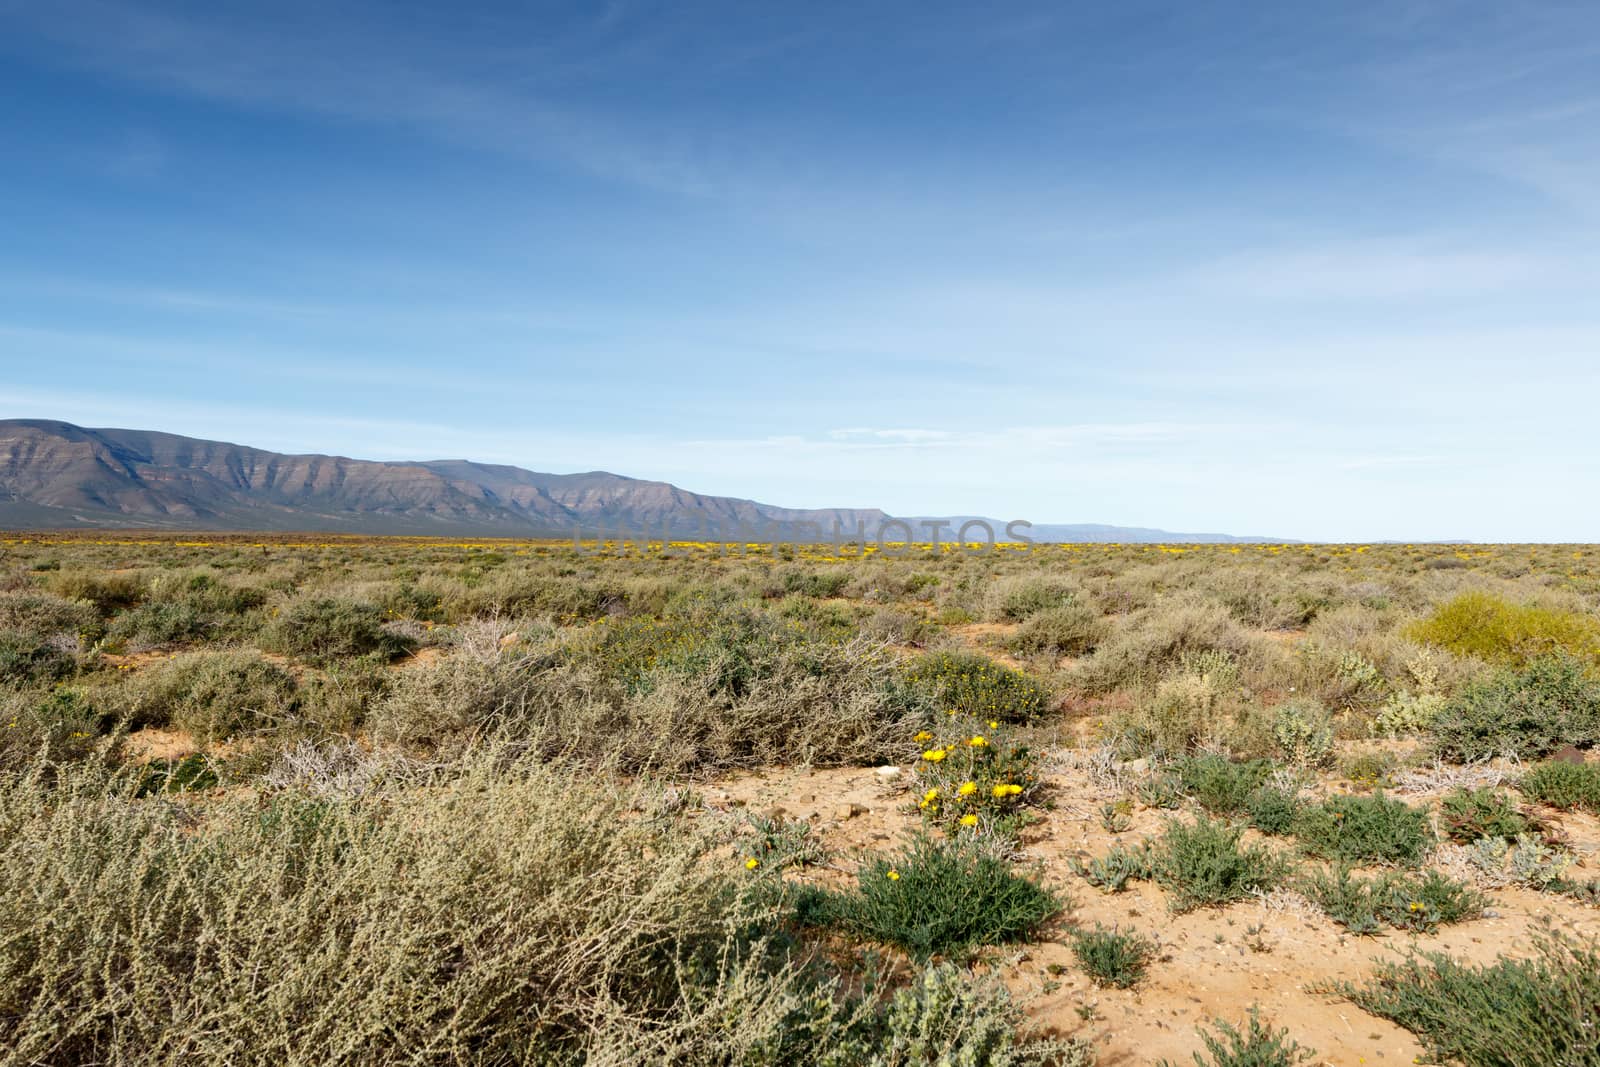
x: 327, y: 800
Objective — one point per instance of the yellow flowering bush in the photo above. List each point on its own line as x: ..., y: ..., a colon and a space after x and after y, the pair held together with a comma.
x: 974, y: 780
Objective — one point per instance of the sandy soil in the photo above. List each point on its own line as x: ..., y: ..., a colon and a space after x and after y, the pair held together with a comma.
x: 1216, y: 963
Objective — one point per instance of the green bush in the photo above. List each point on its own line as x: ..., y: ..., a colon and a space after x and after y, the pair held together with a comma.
x: 945, y: 1016
x: 1564, y: 785
x: 63, y: 725
x: 1543, y: 1010
x: 1482, y: 625
x: 938, y: 898
x: 1303, y: 731
x: 1220, y: 785
x: 1202, y: 865
x: 1365, y: 829
x: 214, y: 695
x: 325, y: 629
x: 1255, y: 1046
x: 26, y: 659
x: 1527, y: 713
x: 42, y: 615
x: 1072, y: 630
x: 1123, y: 864
x: 1469, y: 815
x: 965, y: 683
x: 109, y: 593
x: 1364, y: 905
x: 1113, y: 958
x: 1272, y: 810
x: 1020, y: 598
x: 158, y: 623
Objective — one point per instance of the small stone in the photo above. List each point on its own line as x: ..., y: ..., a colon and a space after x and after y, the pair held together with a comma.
x: 510, y: 639
x: 888, y: 774
x: 848, y: 811
x: 1137, y: 766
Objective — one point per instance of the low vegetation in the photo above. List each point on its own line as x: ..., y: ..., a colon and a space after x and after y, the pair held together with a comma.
x: 506, y: 802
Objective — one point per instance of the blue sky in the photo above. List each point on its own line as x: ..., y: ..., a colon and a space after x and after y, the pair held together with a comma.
x: 1325, y: 271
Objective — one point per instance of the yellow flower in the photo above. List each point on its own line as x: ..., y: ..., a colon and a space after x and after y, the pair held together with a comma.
x: 993, y: 725
x: 968, y: 788
x: 922, y: 737
x: 933, y: 755
x: 1416, y: 906
x: 977, y: 741
x: 969, y: 820
x: 893, y: 876
x: 751, y: 864
x: 931, y: 794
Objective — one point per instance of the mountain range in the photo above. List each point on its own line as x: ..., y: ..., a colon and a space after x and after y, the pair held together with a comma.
x: 54, y: 475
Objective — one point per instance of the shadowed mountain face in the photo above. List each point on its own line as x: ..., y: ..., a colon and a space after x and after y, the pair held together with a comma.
x: 56, y: 475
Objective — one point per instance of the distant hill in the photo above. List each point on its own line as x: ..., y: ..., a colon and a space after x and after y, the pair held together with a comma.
x: 54, y: 475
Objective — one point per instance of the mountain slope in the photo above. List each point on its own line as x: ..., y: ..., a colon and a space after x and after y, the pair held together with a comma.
x: 57, y: 475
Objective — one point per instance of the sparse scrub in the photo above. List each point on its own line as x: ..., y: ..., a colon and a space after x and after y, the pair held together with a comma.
x: 1220, y: 785
x: 1542, y: 1010
x: 964, y: 683
x: 1114, y: 958
x: 1469, y: 815
x: 1365, y: 905
x: 1527, y: 713
x: 325, y: 629
x: 1203, y: 865
x: 1561, y: 784
x: 1257, y: 1045
x: 939, y: 898
x: 1073, y: 629
x: 214, y: 695
x: 1365, y: 829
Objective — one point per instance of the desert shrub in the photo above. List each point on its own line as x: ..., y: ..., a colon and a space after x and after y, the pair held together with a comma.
x: 1365, y: 829
x: 184, y: 774
x: 1181, y: 712
x: 1123, y: 864
x: 945, y: 1016
x: 814, y: 583
x: 1482, y: 625
x: 1409, y: 711
x: 58, y: 726
x: 939, y: 897
x: 974, y: 776
x: 1527, y: 713
x: 1072, y: 629
x: 207, y: 594
x: 1365, y: 905
x: 159, y: 622
x: 325, y: 629
x: 1543, y: 1010
x: 1272, y: 810
x: 42, y: 615
x: 1113, y: 958
x: 776, y: 699
x: 1371, y: 769
x: 775, y: 843
x: 1469, y: 815
x: 1203, y: 865
x: 965, y: 683
x: 1527, y: 861
x: 1257, y: 1045
x: 214, y: 695
x: 1160, y: 788
x: 109, y: 593
x: 1564, y: 785
x: 1024, y: 596
x: 511, y: 915
x: 1218, y: 784
x: 26, y: 659
x: 1303, y: 731
x: 1151, y: 643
